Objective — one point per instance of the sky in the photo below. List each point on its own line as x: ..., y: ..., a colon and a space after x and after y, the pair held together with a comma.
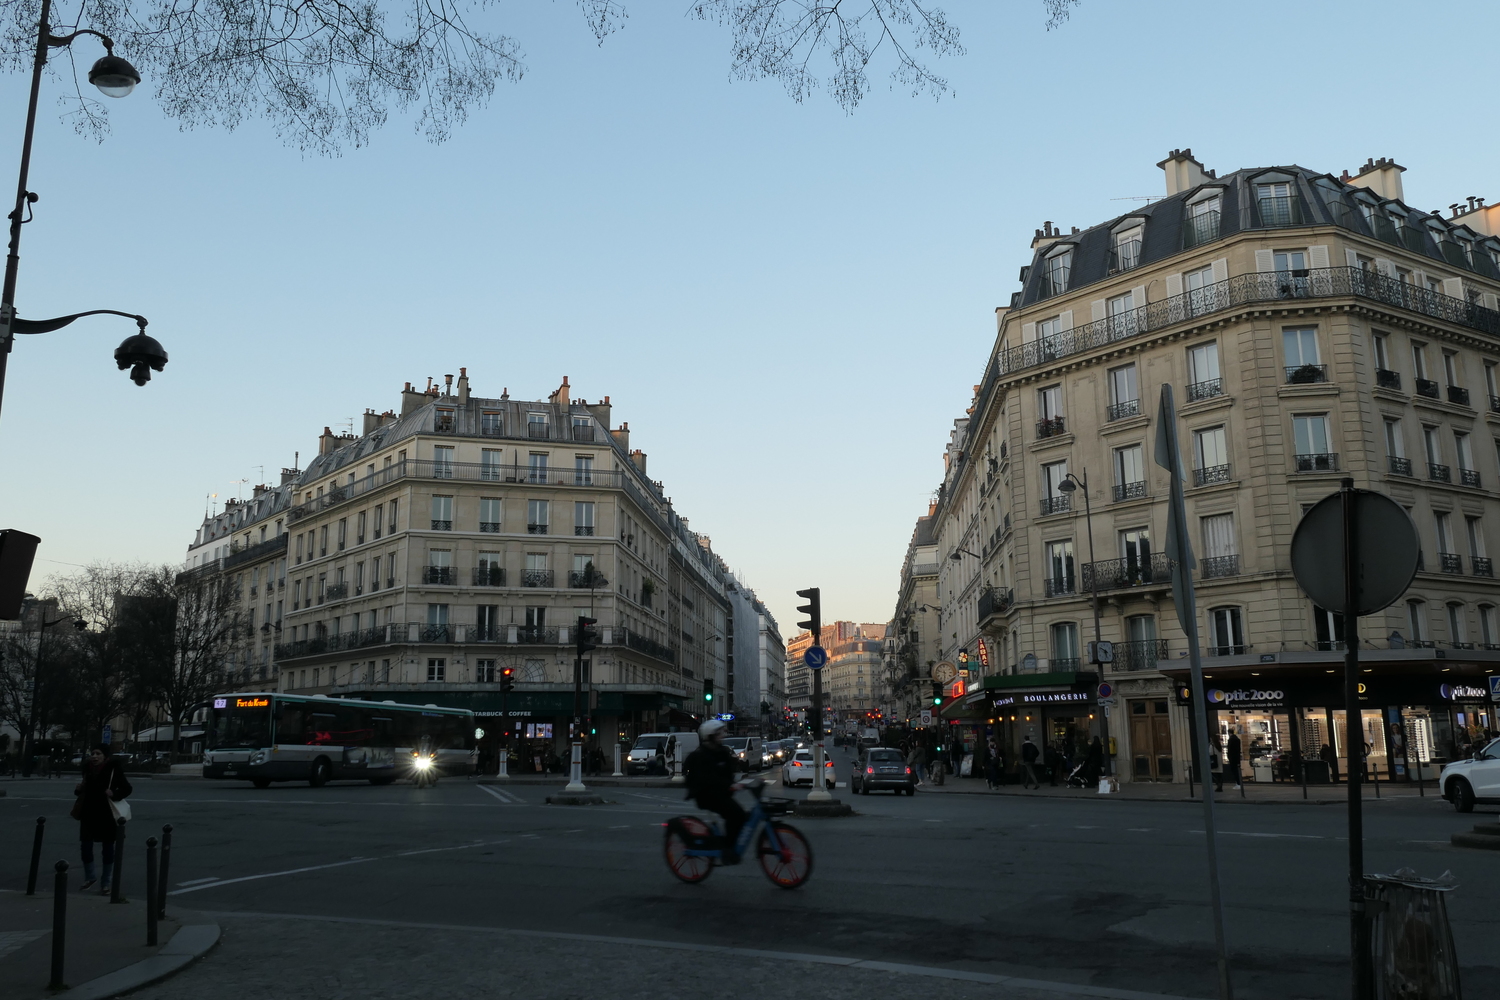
x: 789, y: 304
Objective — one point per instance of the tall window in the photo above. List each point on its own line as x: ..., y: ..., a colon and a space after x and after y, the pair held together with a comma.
x: 1048, y: 329
x: 490, y: 422
x: 1210, y: 455
x: 487, y: 620
x: 1310, y: 434
x: 1457, y: 634
x: 1474, y: 527
x: 1462, y: 453
x: 1220, y: 552
x: 1291, y: 264
x: 1050, y: 402
x: 583, y: 517
x: 1054, y: 499
x: 583, y: 570
x: 489, y: 514
x: 442, y: 462
x: 1382, y: 352
x: 1124, y: 392
x: 1276, y: 203
x: 1433, y: 445
x: 1121, y: 312
x: 343, y: 533
x: 1202, y: 222
x: 536, y: 425
x: 1329, y: 626
x: 537, y: 574
x: 537, y: 515
x: 583, y: 470
x: 537, y: 471
x: 437, y: 669
x: 1130, y: 473
x: 394, y: 505
x: 1135, y: 551
x: 1301, y: 345
x: 1197, y: 283
x: 1127, y: 249
x: 442, y: 513
x: 1065, y: 646
x: 1418, y: 360
x: 1415, y: 613
x: 490, y: 460
x: 1442, y: 526
x: 490, y: 571
x: 1491, y: 385
x: 1227, y: 631
x: 1055, y: 278
x: 1450, y: 367
x: 1203, y: 372
x: 359, y: 534
x: 1487, y: 625
x: 1060, y: 567
x: 1395, y: 447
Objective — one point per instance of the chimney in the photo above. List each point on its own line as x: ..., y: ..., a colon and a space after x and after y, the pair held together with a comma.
x: 621, y: 435
x: 639, y: 458
x: 1046, y: 236
x: 258, y: 489
x: 1383, y: 176
x: 463, y: 385
x: 287, y: 475
x: 328, y: 442
x: 560, y: 397
x: 372, y: 420
x: 447, y: 385
x: 601, y: 412
x: 1480, y: 217
x: 1184, y: 172
x: 411, y: 400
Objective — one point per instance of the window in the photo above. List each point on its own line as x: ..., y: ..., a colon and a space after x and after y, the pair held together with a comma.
x: 488, y: 571
x: 490, y: 422
x: 537, y: 516
x: 323, y: 540
x: 1418, y: 360
x: 375, y: 573
x: 1122, y: 316
x: 442, y: 513
x: 1227, y: 632
x: 1135, y: 551
x: 437, y: 669
x: 1127, y: 249
x: 537, y: 469
x: 1220, y: 553
x: 1055, y: 277
x: 1278, y: 206
x: 536, y: 425
x: 440, y: 566
x: 343, y: 533
x: 1210, y: 456
x: 1329, y: 627
x: 1064, y: 646
x: 359, y: 578
x: 1047, y: 329
x: 1055, y: 500
x: 299, y: 550
x: 1475, y: 530
x: 1450, y: 367
x: 584, y: 574
x: 583, y: 517
x: 485, y: 671
x: 583, y: 470
x: 1490, y: 385
x: 390, y: 569
x: 1487, y: 625
x: 1124, y: 393
x: 536, y: 618
x: 1203, y: 371
x: 1394, y: 445
x: 1202, y: 222
x: 487, y: 621
x: 1462, y: 452
x: 1441, y: 520
x: 1130, y: 473
x: 1310, y: 435
x: 489, y: 514
x: 442, y: 462
x: 1301, y: 346
x: 1049, y: 402
x: 1382, y: 352
x: 537, y: 574
x: 490, y: 460
x: 359, y: 533
x: 1059, y: 568
x: 1414, y: 615
x: 1197, y: 283
x: 1436, y: 470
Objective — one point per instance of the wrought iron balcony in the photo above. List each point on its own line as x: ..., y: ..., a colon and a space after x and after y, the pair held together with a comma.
x: 1050, y: 427
x: 1212, y: 567
x: 1128, y: 408
x: 440, y: 470
x: 438, y: 574
x: 1063, y: 664
x: 1124, y: 256
x: 337, y: 591
x: 1280, y: 211
x: 538, y: 429
x: 1057, y: 586
x: 1213, y: 474
x: 1305, y: 374
x: 994, y: 601
x: 493, y: 527
x: 1426, y: 387
x: 1387, y: 379
x: 583, y: 529
x: 583, y: 432
x: 1459, y: 395
x: 1469, y: 477
x: 536, y: 578
x: 1400, y: 466
x: 1483, y: 566
x: 1139, y: 654
x: 1207, y: 389
x: 1116, y: 574
x: 1318, y: 462
x: 1495, y: 403
x: 1451, y: 562
x: 489, y: 576
x: 536, y: 529
x: 1230, y: 650
x: 537, y: 635
x: 1438, y: 473
x: 586, y: 580
x: 1060, y: 504
x: 1130, y: 491
x: 1200, y: 229
x: 438, y: 525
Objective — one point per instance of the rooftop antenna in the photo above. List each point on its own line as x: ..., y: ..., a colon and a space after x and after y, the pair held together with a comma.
x: 262, y: 469
x: 238, y: 486
x: 1147, y: 198
x: 208, y: 505
x: 349, y: 423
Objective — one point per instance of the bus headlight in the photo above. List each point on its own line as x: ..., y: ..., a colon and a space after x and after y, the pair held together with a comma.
x: 258, y: 757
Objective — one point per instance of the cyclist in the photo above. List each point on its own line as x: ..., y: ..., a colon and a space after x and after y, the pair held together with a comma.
x: 710, y: 772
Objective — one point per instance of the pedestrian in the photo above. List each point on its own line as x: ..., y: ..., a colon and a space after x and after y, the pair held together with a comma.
x: 1233, y: 756
x: 992, y: 766
x: 914, y: 761
x: 1327, y: 755
x: 1029, y: 756
x: 1216, y: 766
x: 1093, y: 763
x: 1053, y: 759
x: 104, y: 783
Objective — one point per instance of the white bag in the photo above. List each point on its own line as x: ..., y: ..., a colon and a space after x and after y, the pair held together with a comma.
x: 121, y: 809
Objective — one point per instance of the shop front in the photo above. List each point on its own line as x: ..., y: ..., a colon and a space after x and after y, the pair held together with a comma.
x: 1056, y: 711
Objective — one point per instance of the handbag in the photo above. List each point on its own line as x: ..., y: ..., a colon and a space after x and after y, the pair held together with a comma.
x: 120, y: 809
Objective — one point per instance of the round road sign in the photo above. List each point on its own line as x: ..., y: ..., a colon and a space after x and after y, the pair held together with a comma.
x: 1386, y: 550
x: 1105, y: 690
x: 815, y: 657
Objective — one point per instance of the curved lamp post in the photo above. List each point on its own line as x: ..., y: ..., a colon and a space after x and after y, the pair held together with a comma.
x: 1068, y: 485
x: 115, y: 78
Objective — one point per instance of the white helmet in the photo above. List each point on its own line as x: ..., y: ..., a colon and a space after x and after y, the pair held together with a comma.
x: 711, y: 728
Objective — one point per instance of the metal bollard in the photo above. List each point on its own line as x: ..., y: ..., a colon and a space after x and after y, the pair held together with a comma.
x: 151, y: 889
x: 59, y: 923
x: 36, y: 856
x: 618, y: 773
x: 161, y: 880
x: 117, y: 890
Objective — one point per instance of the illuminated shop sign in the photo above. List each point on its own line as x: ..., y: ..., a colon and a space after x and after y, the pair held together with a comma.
x: 1462, y: 692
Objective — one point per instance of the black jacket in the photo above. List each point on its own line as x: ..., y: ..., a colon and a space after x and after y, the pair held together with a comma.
x: 710, y: 772
x: 1029, y: 752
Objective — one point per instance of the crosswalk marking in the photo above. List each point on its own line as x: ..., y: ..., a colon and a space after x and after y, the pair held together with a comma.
x: 509, y: 798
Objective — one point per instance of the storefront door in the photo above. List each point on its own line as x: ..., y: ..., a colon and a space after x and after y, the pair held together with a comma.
x: 1150, y: 740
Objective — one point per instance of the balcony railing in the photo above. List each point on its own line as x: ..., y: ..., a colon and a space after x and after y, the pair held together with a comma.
x: 442, y: 525
x: 994, y: 601
x: 1483, y: 566
x: 1207, y: 389
x: 1495, y: 403
x: 1130, y: 491
x: 1200, y: 229
x: 1451, y: 562
x: 1459, y: 395
x: 1426, y: 387
x: 1400, y: 466
x: 1139, y: 654
x: 337, y: 591
x: 1213, y: 567
x: 1243, y: 289
x: 489, y: 576
x: 537, y: 429
x: 1050, y: 427
x: 583, y: 529
x: 536, y: 578
x: 1305, y: 374
x: 1064, y: 664
x: 1060, y: 504
x: 1279, y: 211
x: 1213, y: 474
x: 402, y: 633
x: 1056, y: 586
x: 1128, y: 408
x: 436, y: 574
x: 493, y: 527
x: 1124, y: 256
x: 1387, y: 379
x: 1318, y: 462
x: 1438, y: 473
x: 1229, y: 650
x: 585, y: 581
x: 1469, y: 477
x: 536, y: 529
x: 583, y: 432
x: 1115, y: 574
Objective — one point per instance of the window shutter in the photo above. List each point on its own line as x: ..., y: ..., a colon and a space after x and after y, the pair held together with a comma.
x: 1489, y: 299
x: 1385, y: 267
x: 1221, y: 266
x: 1174, y: 285
x: 1065, y: 320
x: 1098, y: 308
x: 1351, y: 257
x: 1028, y: 332
x: 1419, y: 278
x: 1453, y: 287
x: 1138, y: 296
x: 1317, y: 256
x: 1264, y: 261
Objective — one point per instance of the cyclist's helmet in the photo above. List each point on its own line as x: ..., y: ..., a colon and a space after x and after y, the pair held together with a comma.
x: 711, y: 728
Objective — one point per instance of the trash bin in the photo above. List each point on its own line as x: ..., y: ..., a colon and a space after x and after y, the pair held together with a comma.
x: 1411, y: 943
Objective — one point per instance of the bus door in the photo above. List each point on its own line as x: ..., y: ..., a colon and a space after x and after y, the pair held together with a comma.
x: 380, y: 754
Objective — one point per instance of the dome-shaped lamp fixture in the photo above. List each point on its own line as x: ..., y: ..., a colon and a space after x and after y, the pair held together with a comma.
x: 114, y: 76
x: 141, y: 354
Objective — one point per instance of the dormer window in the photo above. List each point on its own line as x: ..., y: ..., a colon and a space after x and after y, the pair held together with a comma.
x: 444, y: 421
x: 1059, y: 267
x: 1126, y: 252
x: 1202, y: 223
x: 1278, y: 204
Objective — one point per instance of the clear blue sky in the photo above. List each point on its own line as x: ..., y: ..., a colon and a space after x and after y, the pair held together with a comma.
x: 789, y: 305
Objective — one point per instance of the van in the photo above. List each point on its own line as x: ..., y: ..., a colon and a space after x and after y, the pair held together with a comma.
x: 669, y: 746
x: 748, y: 752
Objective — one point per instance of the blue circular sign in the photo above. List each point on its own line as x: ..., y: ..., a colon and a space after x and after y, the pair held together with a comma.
x: 815, y: 657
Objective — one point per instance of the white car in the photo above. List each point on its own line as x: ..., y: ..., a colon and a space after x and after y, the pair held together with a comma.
x: 1465, y: 782
x: 799, y: 770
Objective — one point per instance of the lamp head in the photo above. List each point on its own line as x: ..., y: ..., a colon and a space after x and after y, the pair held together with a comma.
x: 114, y: 76
x: 141, y: 354
x: 955, y: 556
x: 1067, y: 485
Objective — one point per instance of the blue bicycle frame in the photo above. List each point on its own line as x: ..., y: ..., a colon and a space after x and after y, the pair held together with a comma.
x: 753, y: 824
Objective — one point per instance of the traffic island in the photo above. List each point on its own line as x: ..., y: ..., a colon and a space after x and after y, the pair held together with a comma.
x: 1485, y: 836
x: 828, y: 807
x: 566, y: 798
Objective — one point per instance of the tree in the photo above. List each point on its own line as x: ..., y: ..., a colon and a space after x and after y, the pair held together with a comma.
x: 92, y: 663
x: 197, y: 627
x: 327, y: 72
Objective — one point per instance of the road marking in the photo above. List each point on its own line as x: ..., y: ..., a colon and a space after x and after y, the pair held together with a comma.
x: 934, y: 972
x: 199, y: 881
x: 509, y: 798
x: 1246, y: 833
x: 932, y: 821
x: 217, y: 882
x: 1139, y: 829
x: 1085, y: 828
x: 15, y: 940
x: 622, y: 826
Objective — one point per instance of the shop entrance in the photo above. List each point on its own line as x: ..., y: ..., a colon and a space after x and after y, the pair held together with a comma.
x: 1150, y: 740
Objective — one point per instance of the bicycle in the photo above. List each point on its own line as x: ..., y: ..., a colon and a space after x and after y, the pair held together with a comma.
x: 693, y: 848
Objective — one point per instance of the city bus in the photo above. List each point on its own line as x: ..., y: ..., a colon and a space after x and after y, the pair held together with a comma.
x: 266, y: 736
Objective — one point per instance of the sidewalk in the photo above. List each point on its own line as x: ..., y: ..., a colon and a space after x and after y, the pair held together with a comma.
x: 1156, y: 791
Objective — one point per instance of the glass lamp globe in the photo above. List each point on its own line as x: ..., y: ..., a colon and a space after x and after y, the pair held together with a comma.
x: 114, y: 76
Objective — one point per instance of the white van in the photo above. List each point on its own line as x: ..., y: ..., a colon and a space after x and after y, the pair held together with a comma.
x: 670, y: 746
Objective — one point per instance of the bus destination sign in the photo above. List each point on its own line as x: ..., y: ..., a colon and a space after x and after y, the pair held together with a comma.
x: 252, y: 702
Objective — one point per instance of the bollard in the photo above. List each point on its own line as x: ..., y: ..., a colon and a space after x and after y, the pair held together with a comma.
x: 161, y: 879
x: 59, y: 923
x: 618, y: 773
x: 504, y: 771
x: 36, y: 856
x: 1302, y: 770
x: 151, y: 889
x: 117, y: 890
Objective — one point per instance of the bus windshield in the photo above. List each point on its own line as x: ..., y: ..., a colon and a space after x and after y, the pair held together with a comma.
x: 238, y: 722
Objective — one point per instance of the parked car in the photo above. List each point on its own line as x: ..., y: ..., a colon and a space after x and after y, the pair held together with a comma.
x: 881, y: 767
x: 799, y: 770
x: 670, y: 746
x: 1477, y: 779
x: 747, y: 752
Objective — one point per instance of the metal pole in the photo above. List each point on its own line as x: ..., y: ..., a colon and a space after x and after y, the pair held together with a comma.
x: 117, y: 890
x: 36, y: 856
x: 59, y: 920
x: 1354, y: 739
x: 151, y: 889
x: 166, y: 863
x: 618, y: 773
x: 13, y: 257
x: 1088, y: 520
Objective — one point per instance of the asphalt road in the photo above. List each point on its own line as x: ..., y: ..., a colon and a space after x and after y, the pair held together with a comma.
x: 369, y: 891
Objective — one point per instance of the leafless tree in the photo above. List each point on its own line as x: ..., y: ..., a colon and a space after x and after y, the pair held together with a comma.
x: 328, y: 72
x: 208, y: 629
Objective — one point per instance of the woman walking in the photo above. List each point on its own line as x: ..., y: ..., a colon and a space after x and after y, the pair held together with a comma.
x: 103, y: 783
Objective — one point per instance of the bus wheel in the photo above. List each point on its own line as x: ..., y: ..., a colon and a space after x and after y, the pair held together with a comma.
x: 261, y: 782
x: 321, y: 772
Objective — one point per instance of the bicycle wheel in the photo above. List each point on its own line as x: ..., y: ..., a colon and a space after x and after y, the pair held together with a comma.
x: 688, y: 867
x: 792, y: 864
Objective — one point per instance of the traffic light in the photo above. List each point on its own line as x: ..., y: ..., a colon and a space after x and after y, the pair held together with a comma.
x: 708, y: 691
x: 937, y: 693
x: 508, y: 679
x: 814, y: 611
x: 587, y: 635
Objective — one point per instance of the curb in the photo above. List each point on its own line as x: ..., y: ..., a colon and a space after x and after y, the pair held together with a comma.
x: 1219, y: 799
x: 603, y: 781
x: 576, y: 799
x: 189, y: 944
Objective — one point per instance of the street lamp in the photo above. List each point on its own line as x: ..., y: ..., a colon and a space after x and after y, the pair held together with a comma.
x: 1068, y: 485
x: 963, y: 552
x: 115, y: 78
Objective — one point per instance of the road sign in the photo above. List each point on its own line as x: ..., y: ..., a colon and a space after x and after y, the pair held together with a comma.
x: 1105, y: 690
x: 1494, y: 687
x: 815, y: 657
x: 1386, y: 550
x: 944, y: 672
x: 108, y: 737
x: 926, y: 716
